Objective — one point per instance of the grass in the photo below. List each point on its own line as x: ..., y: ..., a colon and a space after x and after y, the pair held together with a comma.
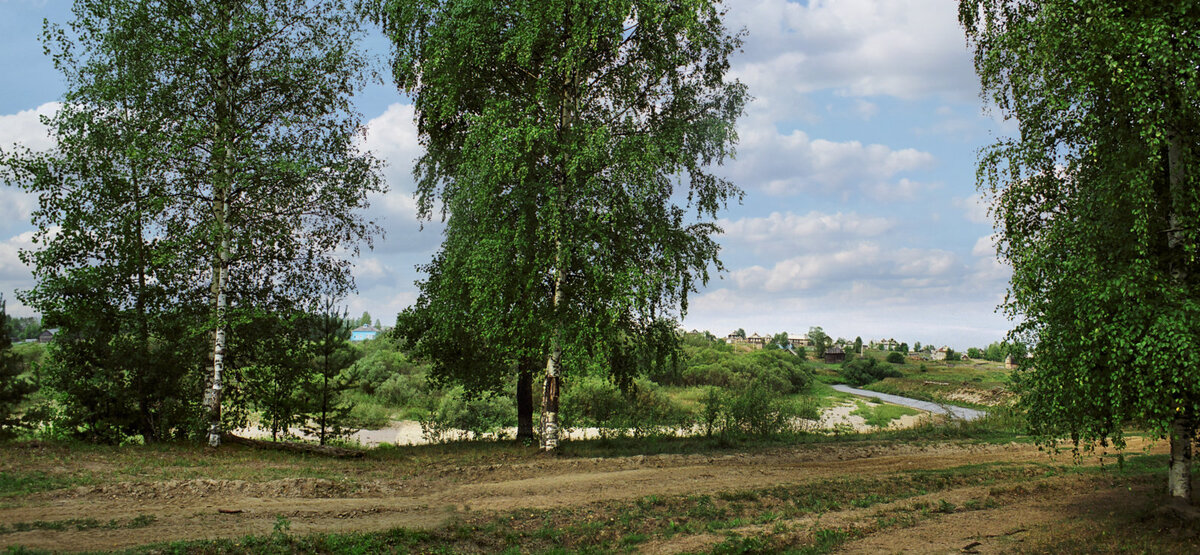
x: 79, y: 524
x: 882, y: 415
x: 746, y: 521
x: 15, y: 483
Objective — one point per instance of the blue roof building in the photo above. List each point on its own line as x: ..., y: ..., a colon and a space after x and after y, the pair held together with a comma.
x: 363, y: 333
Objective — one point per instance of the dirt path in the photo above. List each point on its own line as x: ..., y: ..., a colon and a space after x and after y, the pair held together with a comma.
x: 191, y: 509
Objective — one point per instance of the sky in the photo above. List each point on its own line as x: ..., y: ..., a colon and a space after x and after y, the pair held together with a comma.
x: 857, y: 157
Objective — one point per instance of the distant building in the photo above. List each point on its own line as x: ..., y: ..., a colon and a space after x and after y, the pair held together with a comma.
x: 940, y: 354
x: 886, y: 344
x: 47, y: 335
x: 801, y: 340
x: 363, y: 333
x: 834, y: 355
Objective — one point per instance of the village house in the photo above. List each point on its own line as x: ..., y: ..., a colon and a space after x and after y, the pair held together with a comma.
x: 363, y: 333
x: 885, y: 344
x: 941, y: 353
x: 834, y: 355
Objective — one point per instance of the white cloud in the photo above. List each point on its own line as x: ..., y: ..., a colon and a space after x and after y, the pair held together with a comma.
x: 975, y: 209
x: 985, y: 246
x: 902, y: 48
x: 16, y: 207
x: 793, y: 163
x: 11, y: 267
x: 25, y: 128
x: 781, y: 234
x: 392, y: 137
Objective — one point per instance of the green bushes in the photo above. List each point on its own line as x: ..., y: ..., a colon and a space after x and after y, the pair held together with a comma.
x: 754, y: 410
x: 895, y: 357
x: 644, y: 410
x: 454, y: 416
x: 863, y: 371
x: 777, y: 368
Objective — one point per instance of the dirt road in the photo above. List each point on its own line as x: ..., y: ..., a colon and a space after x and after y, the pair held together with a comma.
x: 205, y: 508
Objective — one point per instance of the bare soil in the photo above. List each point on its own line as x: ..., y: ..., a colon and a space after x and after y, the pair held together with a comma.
x: 429, y: 494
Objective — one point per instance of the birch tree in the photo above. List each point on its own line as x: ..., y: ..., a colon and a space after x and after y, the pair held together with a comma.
x: 570, y: 142
x: 1097, y: 212
x: 245, y: 132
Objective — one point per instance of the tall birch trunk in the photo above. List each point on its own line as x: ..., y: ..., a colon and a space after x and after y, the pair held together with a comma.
x: 551, y: 384
x: 223, y: 177
x: 1179, y: 475
x: 553, y: 381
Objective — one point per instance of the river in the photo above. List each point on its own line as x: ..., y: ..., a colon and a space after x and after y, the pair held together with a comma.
x: 953, y: 411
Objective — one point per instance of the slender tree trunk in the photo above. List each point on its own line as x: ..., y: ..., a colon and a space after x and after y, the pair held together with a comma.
x: 551, y: 384
x: 223, y: 176
x: 1179, y: 474
x: 525, y: 400
x: 1179, y: 477
x: 219, y: 343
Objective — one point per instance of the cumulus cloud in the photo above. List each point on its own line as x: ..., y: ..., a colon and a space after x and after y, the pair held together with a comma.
x: 902, y: 48
x: 11, y: 267
x: 16, y: 207
x: 975, y: 209
x: 788, y: 232
x: 392, y: 137
x: 25, y: 128
x: 789, y: 164
x: 865, y: 262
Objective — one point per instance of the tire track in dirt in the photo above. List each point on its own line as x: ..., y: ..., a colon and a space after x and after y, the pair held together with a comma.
x: 188, y: 509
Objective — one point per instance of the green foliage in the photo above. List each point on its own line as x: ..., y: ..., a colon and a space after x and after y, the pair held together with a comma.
x: 557, y: 138
x: 975, y: 353
x: 205, y: 160
x: 820, y: 341
x: 326, y: 412
x: 895, y: 357
x: 457, y: 416
x: 718, y: 365
x: 642, y: 410
x: 13, y: 386
x: 1096, y: 208
x: 997, y: 351
x: 863, y: 371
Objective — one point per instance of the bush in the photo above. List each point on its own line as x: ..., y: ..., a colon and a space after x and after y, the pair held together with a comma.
x: 377, y: 366
x: 643, y: 410
x: 867, y: 370
x: 895, y: 357
x: 401, y: 390
x: 757, y: 410
x: 456, y: 416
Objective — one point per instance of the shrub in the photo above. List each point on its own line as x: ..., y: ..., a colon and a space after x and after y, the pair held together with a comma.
x: 756, y: 410
x: 456, y: 416
x: 642, y: 410
x: 895, y: 357
x: 867, y: 370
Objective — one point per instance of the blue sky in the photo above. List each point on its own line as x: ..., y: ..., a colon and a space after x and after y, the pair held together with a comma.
x: 857, y: 157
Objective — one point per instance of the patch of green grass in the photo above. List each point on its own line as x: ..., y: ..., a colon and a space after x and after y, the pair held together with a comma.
x: 622, y: 526
x: 15, y: 483
x: 79, y: 524
x: 882, y: 415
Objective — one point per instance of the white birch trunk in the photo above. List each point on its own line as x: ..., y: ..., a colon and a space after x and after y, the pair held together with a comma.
x: 1179, y: 474
x: 551, y: 386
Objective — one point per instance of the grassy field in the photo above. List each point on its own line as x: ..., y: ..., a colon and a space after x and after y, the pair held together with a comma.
x: 866, y: 493
x: 975, y: 384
